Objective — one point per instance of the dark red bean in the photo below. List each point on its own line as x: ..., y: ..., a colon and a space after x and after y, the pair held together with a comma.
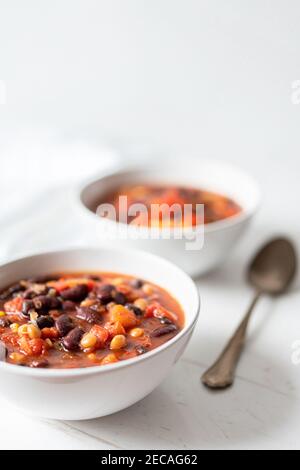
x: 26, y: 307
x: 120, y: 298
x: 4, y: 322
x: 36, y: 291
x: 165, y: 321
x: 69, y: 305
x: 43, y: 304
x: 163, y: 330
x: 43, y: 279
x: 94, y: 277
x: 105, y: 293
x: 7, y: 293
x: 87, y: 314
x: 136, y: 283
x: 39, y: 363
x: 76, y: 294
x: 72, y: 340
x: 64, y: 324
x: 45, y: 321
x: 137, y: 311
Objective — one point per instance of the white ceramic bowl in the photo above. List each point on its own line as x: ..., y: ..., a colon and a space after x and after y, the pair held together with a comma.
x: 101, y: 390
x: 219, y: 237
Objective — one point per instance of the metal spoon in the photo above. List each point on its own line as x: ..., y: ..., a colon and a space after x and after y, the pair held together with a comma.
x: 271, y: 272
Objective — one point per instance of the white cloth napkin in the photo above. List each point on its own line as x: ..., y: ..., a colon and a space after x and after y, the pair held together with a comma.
x: 39, y: 171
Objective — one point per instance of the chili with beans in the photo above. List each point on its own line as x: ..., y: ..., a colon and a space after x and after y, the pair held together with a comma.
x: 83, y: 320
x: 216, y: 206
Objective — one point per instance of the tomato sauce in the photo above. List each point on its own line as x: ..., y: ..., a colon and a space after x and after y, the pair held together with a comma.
x: 216, y: 206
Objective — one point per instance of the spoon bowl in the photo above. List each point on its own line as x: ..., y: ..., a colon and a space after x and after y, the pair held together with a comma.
x: 274, y: 267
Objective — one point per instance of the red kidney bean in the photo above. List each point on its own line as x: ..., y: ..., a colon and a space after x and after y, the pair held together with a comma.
x: 120, y: 298
x: 136, y: 283
x: 43, y: 279
x: 64, y: 324
x: 35, y: 290
x: 105, y: 293
x: 69, y: 305
x: 136, y: 310
x: 94, y: 277
x: 4, y: 322
x: 163, y: 330
x: 165, y: 321
x: 76, y: 294
x: 45, y: 303
x: 88, y: 314
x: 26, y: 307
x: 45, y: 321
x: 7, y: 293
x: 72, y: 340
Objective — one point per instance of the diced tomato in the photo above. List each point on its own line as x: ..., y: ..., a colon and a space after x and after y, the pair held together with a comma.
x: 14, y: 305
x: 124, y: 316
x: 149, y: 313
x: 158, y: 311
x: 124, y: 289
x: 51, y: 333
x: 115, y: 329
x: 10, y: 338
x: 101, y: 335
x: 64, y: 284
x: 32, y: 347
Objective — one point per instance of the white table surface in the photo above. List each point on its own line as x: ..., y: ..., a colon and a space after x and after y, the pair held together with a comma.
x: 209, y: 77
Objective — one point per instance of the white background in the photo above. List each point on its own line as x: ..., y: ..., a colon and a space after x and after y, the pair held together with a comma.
x: 211, y: 78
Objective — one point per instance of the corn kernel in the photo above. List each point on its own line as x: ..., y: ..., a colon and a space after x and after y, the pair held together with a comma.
x: 136, y: 332
x: 14, y: 327
x: 49, y: 342
x: 2, y: 313
x: 110, y: 358
x: 141, y: 304
x: 92, y: 357
x: 23, y: 330
x: 33, y: 332
x: 147, y: 289
x: 88, y: 303
x: 117, y: 281
x: 88, y: 341
x: 118, y: 342
x: 17, y: 357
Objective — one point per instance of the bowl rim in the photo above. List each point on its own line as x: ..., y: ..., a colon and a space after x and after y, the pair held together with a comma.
x: 120, y: 168
x: 85, y: 371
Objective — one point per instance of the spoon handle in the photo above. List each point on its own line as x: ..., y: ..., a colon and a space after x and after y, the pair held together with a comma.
x: 221, y: 374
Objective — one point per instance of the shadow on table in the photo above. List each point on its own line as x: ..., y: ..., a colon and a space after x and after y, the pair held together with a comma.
x: 182, y: 414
